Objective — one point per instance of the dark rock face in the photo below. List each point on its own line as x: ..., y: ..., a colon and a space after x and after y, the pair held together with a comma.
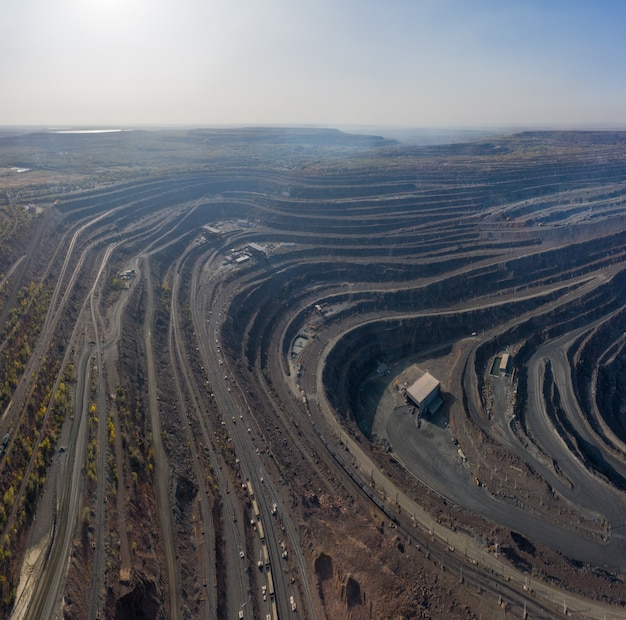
x: 324, y: 567
x: 353, y: 593
x: 185, y: 492
x: 141, y: 603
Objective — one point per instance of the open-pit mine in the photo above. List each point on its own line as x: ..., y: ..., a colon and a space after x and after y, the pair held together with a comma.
x: 282, y: 373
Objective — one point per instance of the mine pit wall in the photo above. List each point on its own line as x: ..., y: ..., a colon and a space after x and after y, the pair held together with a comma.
x: 556, y: 415
x: 287, y: 285
x: 549, y: 265
x: 152, y: 194
x: 358, y: 352
x: 359, y: 189
x: 610, y: 391
x: 589, y: 454
x: 543, y: 327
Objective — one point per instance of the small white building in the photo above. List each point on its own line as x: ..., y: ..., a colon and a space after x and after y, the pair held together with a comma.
x: 425, y: 394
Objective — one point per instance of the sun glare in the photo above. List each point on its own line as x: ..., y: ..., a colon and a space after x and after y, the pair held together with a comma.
x: 112, y: 10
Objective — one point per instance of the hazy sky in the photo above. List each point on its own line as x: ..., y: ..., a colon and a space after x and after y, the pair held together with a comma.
x: 418, y: 63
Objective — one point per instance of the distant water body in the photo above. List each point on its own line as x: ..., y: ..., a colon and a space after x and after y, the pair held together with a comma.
x: 89, y: 130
